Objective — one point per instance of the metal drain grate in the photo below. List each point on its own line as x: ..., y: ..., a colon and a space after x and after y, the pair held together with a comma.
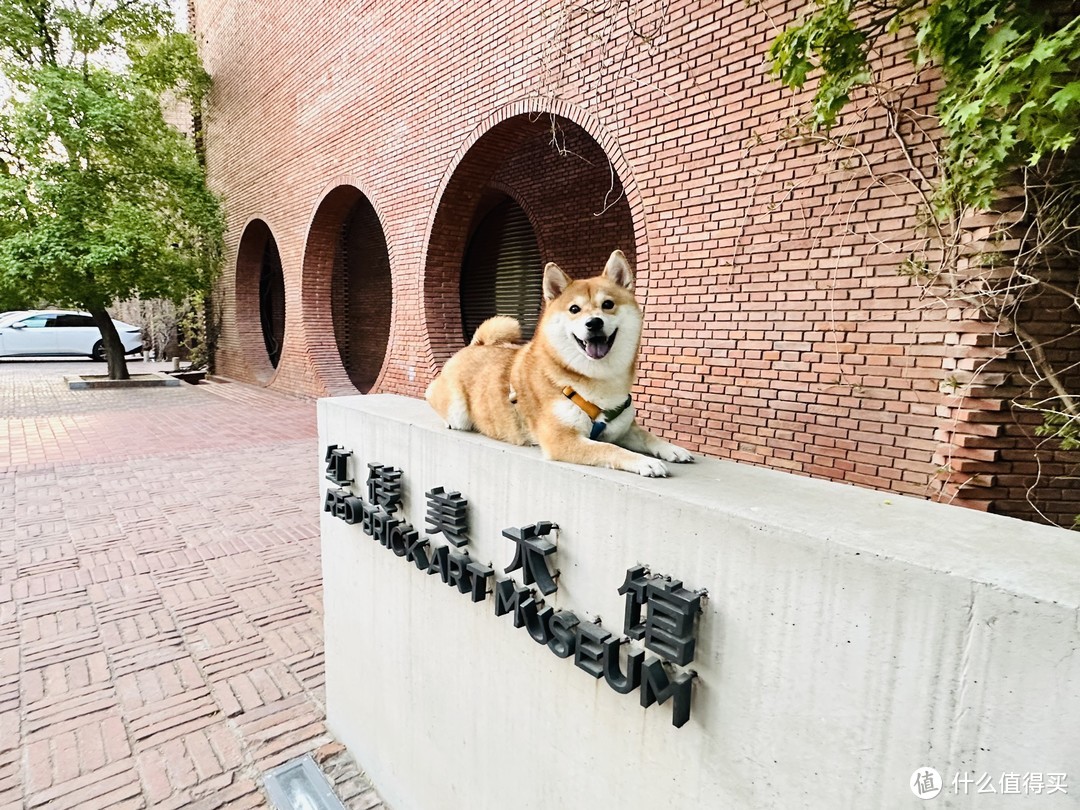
x: 300, y: 785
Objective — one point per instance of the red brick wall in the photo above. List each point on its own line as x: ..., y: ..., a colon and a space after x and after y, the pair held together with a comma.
x: 779, y: 331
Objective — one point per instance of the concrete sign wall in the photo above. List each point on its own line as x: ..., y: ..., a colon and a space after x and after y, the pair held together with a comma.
x: 850, y: 640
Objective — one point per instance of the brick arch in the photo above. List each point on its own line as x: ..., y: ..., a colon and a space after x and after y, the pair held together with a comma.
x: 561, y: 193
x: 255, y: 239
x: 347, y: 291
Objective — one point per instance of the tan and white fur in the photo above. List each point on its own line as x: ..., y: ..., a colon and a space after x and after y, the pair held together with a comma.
x: 587, y: 339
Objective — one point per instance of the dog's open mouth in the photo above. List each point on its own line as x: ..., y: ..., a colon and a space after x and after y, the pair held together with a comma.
x: 597, y: 347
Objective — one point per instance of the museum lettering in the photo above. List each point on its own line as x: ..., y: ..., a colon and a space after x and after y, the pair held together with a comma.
x: 667, y: 627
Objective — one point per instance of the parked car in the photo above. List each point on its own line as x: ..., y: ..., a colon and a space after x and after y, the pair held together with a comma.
x: 55, y: 332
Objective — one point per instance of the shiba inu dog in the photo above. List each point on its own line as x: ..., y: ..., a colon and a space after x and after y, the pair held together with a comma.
x: 568, y: 389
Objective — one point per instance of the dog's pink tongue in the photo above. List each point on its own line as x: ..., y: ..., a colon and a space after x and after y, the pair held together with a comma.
x: 596, y: 348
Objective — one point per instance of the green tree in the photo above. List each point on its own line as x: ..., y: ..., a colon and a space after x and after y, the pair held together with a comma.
x: 100, y: 198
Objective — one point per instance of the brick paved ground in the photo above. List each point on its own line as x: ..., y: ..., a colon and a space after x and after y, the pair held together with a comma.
x: 160, y: 595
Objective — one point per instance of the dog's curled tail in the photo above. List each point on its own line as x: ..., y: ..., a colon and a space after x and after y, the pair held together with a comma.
x: 500, y: 330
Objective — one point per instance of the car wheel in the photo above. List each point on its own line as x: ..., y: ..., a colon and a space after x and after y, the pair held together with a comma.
x: 98, y: 352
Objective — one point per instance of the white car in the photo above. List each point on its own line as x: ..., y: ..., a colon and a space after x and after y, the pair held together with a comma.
x: 45, y: 332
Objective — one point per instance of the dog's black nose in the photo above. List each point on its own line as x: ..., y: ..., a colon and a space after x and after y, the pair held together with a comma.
x: 595, y: 324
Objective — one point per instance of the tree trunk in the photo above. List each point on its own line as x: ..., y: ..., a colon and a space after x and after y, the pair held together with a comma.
x: 114, y: 348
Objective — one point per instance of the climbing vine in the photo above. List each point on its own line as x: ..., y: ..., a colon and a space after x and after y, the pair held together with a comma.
x: 1011, y: 94
x: 1000, y: 214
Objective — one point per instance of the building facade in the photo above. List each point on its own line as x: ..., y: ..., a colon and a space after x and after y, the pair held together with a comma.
x: 393, y: 172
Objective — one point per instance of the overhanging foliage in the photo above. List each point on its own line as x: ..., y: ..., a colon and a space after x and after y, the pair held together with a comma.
x: 1011, y: 73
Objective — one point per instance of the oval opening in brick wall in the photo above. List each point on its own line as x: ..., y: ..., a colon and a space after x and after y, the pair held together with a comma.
x: 347, y: 290
x: 260, y: 300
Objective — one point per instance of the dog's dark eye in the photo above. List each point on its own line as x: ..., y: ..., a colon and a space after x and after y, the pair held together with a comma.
x: 609, y: 304
x: 574, y: 309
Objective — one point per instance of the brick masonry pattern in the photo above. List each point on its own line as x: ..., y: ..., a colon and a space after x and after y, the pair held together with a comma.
x: 160, y: 596
x: 779, y: 330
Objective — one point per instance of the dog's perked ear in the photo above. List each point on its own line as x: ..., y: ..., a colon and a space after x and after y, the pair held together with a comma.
x: 618, y: 270
x: 555, y: 281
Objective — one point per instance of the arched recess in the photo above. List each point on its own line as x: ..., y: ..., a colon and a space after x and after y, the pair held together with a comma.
x: 260, y: 300
x: 347, y: 291
x: 575, y: 193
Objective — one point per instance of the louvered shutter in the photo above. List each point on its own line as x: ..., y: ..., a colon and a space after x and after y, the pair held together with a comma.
x: 502, y: 273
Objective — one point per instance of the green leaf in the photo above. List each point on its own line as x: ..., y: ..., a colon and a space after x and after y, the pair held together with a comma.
x: 980, y: 23
x: 1000, y: 38
x: 1069, y: 94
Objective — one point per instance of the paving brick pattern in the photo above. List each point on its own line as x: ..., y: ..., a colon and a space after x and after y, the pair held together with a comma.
x: 160, y: 595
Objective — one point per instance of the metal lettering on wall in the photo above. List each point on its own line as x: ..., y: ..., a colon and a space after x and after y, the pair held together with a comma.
x: 659, y: 612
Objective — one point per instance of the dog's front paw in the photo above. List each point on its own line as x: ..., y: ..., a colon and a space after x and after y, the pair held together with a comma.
x: 671, y: 452
x: 650, y: 468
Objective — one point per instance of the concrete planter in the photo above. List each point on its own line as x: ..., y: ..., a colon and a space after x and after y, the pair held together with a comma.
x: 150, y: 380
